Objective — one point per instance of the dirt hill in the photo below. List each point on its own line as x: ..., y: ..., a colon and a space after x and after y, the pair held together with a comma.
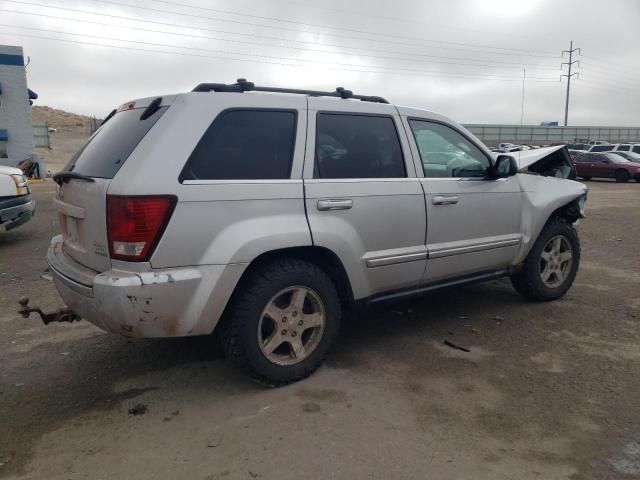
x: 60, y: 120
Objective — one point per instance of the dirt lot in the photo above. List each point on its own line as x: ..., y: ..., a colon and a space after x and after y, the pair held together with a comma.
x: 548, y: 391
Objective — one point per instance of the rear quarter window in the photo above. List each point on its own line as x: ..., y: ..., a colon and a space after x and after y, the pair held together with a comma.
x: 245, y: 145
x: 106, y: 150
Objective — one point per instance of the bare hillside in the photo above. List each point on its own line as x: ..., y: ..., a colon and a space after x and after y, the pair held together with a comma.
x: 60, y: 120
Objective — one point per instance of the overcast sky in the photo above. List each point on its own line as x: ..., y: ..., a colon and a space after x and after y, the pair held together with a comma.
x: 463, y: 58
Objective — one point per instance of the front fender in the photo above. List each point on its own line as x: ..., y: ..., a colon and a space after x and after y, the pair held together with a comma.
x: 541, y: 197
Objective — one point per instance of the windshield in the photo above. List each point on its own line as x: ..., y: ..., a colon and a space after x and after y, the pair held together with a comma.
x: 615, y: 158
x: 631, y: 156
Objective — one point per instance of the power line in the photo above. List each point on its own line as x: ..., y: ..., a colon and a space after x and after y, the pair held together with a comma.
x: 328, y: 27
x: 268, y: 57
x: 220, y: 57
x: 497, y: 64
x: 613, y: 64
x: 387, y: 18
x: 279, y: 28
x: 608, y: 72
x: 607, y: 78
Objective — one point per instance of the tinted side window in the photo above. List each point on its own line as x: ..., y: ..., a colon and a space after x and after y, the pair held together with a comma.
x: 602, y: 148
x: 636, y: 148
x: 447, y: 153
x: 107, y: 149
x: 357, y: 146
x: 624, y: 148
x: 244, y: 145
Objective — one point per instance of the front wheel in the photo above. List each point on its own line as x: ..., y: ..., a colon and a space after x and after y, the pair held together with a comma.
x: 622, y: 176
x: 552, y: 264
x: 282, y: 322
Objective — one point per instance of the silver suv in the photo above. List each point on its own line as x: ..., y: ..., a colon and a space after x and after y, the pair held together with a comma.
x: 267, y: 212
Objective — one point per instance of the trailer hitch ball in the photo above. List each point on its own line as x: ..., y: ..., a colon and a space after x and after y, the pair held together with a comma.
x: 64, y: 314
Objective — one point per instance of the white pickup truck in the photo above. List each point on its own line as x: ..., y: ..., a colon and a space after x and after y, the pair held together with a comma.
x: 16, y: 205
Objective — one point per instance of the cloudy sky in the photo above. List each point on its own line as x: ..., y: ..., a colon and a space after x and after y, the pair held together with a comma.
x: 463, y: 58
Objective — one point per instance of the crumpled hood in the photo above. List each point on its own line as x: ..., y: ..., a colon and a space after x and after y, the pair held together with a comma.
x: 526, y: 158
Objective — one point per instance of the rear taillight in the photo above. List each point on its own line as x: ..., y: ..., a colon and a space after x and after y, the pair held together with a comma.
x: 135, y: 225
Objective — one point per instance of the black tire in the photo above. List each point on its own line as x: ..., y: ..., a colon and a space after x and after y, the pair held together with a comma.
x: 587, y: 178
x: 528, y: 281
x: 622, y: 176
x: 242, y: 320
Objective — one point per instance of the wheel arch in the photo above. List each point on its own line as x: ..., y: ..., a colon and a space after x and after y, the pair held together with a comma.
x: 545, y: 199
x: 321, y: 257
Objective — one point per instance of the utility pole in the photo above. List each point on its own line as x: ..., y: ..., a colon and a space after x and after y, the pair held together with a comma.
x: 568, y: 75
x: 524, y: 76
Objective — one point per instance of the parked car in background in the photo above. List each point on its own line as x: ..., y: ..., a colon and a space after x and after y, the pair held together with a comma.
x: 268, y: 214
x: 601, y: 147
x: 16, y: 204
x: 578, y: 146
x: 631, y: 156
x: 606, y: 165
x: 627, y: 147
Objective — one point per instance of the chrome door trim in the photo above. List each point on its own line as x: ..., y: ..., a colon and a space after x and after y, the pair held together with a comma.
x: 459, y: 248
x: 413, y: 254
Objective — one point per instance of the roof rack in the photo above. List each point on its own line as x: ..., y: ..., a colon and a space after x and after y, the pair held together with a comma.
x: 243, y: 86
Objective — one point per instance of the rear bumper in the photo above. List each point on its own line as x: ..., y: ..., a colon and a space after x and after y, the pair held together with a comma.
x: 16, y: 210
x: 170, y: 302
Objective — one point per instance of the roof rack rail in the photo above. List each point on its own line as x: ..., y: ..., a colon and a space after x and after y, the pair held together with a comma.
x: 243, y: 86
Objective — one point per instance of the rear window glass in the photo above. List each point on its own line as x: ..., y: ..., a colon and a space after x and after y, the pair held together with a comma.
x: 107, y: 149
x: 636, y: 148
x: 624, y: 148
x: 245, y: 145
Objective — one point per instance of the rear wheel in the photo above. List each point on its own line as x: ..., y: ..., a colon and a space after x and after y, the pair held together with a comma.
x: 622, y: 176
x: 552, y: 264
x: 282, y: 322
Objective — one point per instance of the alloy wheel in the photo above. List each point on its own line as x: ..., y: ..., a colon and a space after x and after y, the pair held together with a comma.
x: 291, y: 325
x: 556, y: 261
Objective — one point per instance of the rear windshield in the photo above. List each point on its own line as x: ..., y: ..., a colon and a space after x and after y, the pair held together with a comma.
x: 107, y: 149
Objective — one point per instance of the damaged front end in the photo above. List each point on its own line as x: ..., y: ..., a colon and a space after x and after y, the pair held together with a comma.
x: 547, y: 179
x: 548, y: 162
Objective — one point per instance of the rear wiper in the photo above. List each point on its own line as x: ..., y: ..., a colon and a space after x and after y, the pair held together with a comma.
x: 64, y: 177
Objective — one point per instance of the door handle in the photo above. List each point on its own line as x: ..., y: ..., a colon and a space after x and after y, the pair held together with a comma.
x: 445, y: 199
x: 335, y: 204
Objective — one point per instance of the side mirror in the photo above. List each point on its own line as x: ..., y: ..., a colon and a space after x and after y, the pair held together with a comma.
x: 504, y: 166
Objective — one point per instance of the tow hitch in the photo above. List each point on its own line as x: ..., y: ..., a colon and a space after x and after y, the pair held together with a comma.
x: 61, y: 315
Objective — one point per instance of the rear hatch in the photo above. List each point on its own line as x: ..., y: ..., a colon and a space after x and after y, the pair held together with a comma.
x: 81, y: 196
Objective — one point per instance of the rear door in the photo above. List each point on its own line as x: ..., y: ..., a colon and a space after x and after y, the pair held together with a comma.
x: 363, y: 199
x: 81, y: 203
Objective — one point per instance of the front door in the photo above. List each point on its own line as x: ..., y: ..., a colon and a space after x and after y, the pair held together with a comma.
x: 473, y: 223
x: 363, y: 199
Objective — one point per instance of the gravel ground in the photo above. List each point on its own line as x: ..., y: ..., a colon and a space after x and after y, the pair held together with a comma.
x: 547, y: 391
